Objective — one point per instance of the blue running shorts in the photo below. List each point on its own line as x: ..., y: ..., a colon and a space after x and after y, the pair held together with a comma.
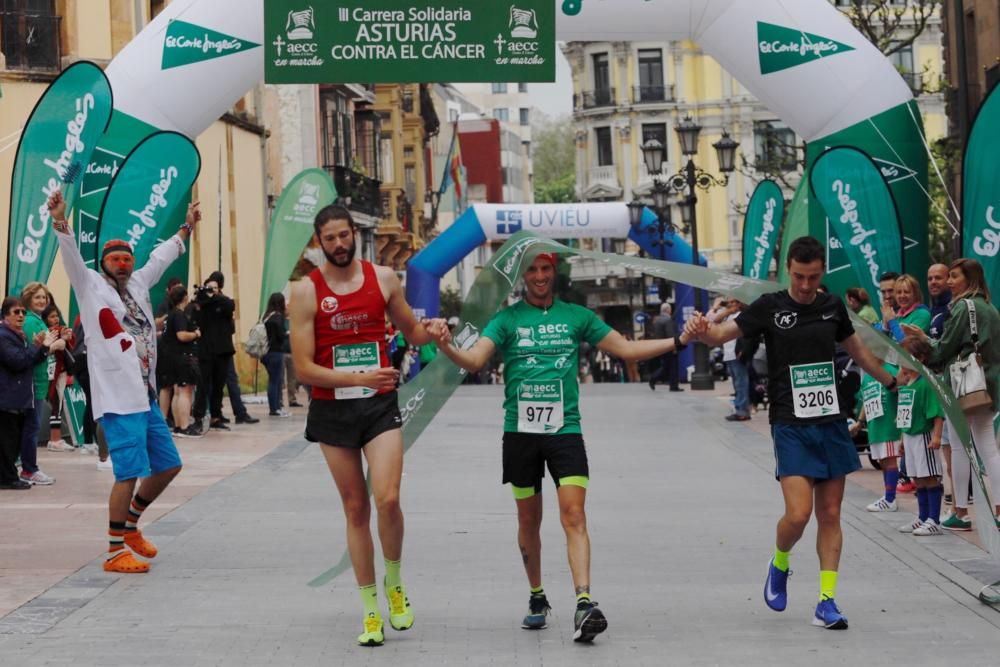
x: 819, y: 451
x: 140, y: 443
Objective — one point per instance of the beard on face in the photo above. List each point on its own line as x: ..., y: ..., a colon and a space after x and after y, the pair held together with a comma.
x: 344, y: 258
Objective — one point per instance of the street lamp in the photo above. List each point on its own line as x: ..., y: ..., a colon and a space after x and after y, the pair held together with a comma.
x: 685, y: 182
x: 653, y: 154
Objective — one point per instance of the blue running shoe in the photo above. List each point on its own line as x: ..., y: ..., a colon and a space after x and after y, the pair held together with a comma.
x: 829, y: 617
x: 776, y: 588
x: 538, y: 612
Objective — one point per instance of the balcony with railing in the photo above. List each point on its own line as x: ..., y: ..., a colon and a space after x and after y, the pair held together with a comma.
x: 356, y: 191
x: 594, y: 99
x: 652, y: 94
x: 30, y: 40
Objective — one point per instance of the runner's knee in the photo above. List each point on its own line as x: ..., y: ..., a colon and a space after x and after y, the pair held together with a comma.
x: 573, y: 517
x: 357, y: 510
x: 387, y: 502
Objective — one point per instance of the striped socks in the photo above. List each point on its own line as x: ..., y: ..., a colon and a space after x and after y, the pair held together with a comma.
x: 116, y: 538
x: 135, y: 510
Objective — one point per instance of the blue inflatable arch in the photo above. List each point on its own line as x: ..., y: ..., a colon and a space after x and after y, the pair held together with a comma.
x: 489, y: 222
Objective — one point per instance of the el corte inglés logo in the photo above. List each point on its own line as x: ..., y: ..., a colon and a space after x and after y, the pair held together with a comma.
x: 186, y: 43
x: 780, y: 48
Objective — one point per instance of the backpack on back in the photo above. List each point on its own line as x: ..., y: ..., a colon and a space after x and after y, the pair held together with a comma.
x: 257, y: 344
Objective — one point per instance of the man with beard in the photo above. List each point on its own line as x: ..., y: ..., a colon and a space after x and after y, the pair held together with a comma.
x: 117, y: 315
x: 338, y: 346
x: 540, y: 339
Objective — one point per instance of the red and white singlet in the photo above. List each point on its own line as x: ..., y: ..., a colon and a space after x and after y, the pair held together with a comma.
x: 354, y: 324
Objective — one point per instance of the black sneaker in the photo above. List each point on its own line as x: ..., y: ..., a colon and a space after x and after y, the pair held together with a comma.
x: 224, y: 419
x: 16, y: 485
x: 538, y: 611
x: 589, y: 622
x: 247, y: 419
x: 192, y: 431
x: 219, y: 425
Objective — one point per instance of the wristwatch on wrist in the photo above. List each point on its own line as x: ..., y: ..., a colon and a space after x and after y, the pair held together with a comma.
x: 678, y: 345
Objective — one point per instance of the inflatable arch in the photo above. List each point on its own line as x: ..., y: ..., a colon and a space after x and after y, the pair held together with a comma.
x: 801, y: 58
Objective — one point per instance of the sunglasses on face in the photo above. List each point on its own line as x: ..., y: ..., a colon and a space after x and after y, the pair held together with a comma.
x: 18, y: 311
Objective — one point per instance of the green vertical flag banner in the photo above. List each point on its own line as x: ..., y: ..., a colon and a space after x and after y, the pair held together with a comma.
x: 292, y: 226
x: 76, y: 405
x: 151, y: 187
x: 796, y: 224
x: 760, y: 228
x: 893, y: 140
x: 861, y: 212
x: 421, y: 399
x: 52, y: 154
x: 981, y: 191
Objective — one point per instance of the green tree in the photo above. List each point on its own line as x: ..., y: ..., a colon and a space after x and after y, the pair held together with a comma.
x: 554, y: 159
x: 451, y: 303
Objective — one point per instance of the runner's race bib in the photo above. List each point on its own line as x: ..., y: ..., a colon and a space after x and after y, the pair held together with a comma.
x: 540, y: 407
x: 872, y: 397
x: 904, y: 408
x: 814, y: 390
x: 355, y: 358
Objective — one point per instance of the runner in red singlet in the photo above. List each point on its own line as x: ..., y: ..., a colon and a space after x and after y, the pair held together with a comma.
x: 338, y: 346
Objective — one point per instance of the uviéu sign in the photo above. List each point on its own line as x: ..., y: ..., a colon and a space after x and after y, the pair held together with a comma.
x: 405, y: 41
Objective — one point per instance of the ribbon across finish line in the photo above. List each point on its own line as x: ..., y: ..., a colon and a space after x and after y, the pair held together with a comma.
x: 421, y: 399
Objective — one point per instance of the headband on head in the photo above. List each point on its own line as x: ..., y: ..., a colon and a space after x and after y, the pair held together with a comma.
x: 550, y: 257
x: 116, y: 245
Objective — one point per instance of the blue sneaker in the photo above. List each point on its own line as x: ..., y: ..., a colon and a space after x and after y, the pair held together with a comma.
x: 538, y: 612
x: 829, y: 617
x: 776, y: 588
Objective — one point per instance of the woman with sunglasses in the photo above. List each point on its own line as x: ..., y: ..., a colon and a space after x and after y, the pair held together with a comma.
x: 18, y: 357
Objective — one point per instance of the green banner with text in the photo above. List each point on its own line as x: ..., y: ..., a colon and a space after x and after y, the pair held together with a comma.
x: 292, y: 227
x: 152, y: 185
x: 409, y: 41
x: 53, y: 153
x: 760, y: 228
x: 981, y: 191
x: 862, y: 213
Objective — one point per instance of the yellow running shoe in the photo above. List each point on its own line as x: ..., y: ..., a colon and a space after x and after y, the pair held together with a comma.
x: 400, y: 613
x: 373, y: 635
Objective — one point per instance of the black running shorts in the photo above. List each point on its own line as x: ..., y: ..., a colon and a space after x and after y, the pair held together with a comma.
x: 354, y: 422
x: 526, y: 454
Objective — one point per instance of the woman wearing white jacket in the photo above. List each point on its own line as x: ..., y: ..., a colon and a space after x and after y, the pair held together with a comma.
x: 117, y: 316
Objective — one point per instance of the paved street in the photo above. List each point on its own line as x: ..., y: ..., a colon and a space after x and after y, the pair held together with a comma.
x: 681, y: 512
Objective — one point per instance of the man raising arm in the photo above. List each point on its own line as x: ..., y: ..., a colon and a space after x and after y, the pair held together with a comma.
x: 813, y: 451
x: 539, y: 339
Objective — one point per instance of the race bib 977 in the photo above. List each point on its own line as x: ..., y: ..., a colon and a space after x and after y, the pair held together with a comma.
x: 540, y: 407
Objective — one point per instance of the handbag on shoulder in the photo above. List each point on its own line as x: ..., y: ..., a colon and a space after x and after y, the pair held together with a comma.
x: 968, y: 380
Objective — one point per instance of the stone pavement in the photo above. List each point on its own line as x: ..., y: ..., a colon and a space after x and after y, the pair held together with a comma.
x: 681, y: 511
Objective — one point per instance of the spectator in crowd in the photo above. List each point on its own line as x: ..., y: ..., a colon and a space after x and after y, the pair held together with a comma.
x: 18, y: 358
x: 178, y: 368
x: 275, y: 321
x: 909, y: 308
x: 737, y: 367
x: 36, y: 297
x: 940, y: 304
x: 164, y: 308
x: 218, y: 368
x: 59, y: 378
x: 664, y: 327
x: 859, y: 301
x: 291, y: 380
x: 92, y: 432
x: 967, y: 283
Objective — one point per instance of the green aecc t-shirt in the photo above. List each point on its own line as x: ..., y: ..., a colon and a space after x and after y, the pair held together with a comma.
x: 925, y: 406
x: 880, y: 429
x: 540, y: 349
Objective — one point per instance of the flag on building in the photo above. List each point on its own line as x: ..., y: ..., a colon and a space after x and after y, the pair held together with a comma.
x: 454, y: 172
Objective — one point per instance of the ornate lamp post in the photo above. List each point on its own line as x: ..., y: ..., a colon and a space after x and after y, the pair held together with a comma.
x: 685, y: 182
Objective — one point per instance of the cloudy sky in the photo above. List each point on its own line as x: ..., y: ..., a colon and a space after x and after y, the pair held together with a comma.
x: 554, y: 98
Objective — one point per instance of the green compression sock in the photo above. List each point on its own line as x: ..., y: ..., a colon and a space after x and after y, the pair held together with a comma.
x: 369, y: 598
x: 827, y: 584
x: 781, y: 559
x: 392, y: 576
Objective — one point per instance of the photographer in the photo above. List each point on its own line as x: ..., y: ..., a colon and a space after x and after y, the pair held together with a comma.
x: 215, y: 319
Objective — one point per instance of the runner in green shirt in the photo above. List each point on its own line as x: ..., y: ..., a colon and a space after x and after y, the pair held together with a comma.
x: 539, y: 339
